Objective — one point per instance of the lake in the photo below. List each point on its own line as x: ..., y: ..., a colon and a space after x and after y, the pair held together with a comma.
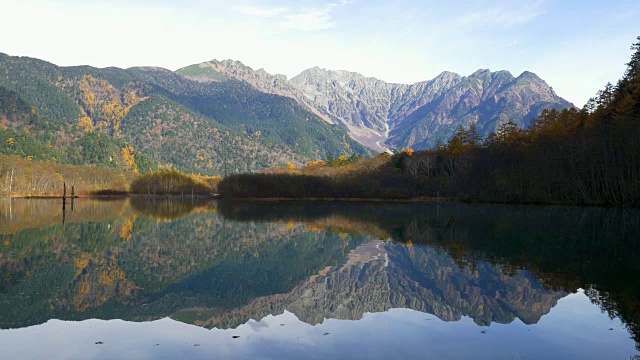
x: 165, y: 279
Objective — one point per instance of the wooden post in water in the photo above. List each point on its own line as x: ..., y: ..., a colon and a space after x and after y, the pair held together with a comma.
x: 64, y: 201
x: 73, y: 195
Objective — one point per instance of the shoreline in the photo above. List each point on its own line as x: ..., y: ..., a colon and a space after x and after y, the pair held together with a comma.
x: 110, y: 196
x: 380, y: 200
x: 424, y: 200
x: 420, y: 199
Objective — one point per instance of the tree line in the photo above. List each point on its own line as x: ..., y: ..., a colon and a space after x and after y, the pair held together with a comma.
x: 574, y: 156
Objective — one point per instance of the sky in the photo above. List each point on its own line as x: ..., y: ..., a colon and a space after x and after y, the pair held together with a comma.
x: 576, y: 46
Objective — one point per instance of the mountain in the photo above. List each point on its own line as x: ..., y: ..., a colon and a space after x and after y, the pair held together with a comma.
x: 385, y: 115
x: 379, y: 276
x: 244, y: 108
x: 221, y: 117
x: 221, y: 71
x: 86, y: 115
x: 173, y: 134
x: 484, y: 98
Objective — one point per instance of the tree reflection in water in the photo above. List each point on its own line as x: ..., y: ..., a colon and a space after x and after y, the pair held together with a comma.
x: 219, y: 264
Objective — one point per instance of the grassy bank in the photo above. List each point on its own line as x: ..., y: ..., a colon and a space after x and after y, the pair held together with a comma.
x: 20, y: 177
x: 26, y: 178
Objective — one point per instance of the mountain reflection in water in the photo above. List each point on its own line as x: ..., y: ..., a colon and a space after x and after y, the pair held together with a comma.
x: 220, y: 264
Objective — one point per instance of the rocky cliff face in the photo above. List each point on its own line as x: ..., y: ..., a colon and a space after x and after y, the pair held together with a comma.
x: 423, y: 113
x: 384, y: 115
x: 379, y: 276
x: 484, y: 98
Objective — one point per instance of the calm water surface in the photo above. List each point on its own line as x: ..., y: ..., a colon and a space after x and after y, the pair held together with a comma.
x: 140, y: 279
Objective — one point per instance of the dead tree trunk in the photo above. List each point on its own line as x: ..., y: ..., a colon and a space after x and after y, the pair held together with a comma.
x: 11, y: 181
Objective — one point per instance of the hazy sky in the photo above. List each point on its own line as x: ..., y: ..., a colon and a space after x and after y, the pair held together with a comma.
x: 576, y: 46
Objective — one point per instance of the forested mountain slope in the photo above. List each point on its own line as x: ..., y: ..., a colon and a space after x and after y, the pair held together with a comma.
x: 140, y: 118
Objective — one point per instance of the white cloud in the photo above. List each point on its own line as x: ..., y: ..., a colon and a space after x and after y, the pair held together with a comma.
x: 501, y: 16
x: 261, y: 11
x: 310, y: 20
x: 304, y: 20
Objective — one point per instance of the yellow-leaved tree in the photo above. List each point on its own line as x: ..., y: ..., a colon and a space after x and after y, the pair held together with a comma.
x: 86, y: 124
x: 129, y: 157
x: 290, y: 167
x: 409, y: 151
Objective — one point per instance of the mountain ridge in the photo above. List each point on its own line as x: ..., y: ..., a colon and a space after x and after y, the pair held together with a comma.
x: 384, y: 115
